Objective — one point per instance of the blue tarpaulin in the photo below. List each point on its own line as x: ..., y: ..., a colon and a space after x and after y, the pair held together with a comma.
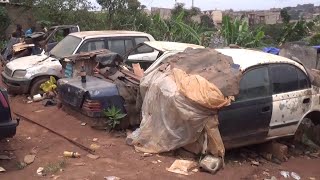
x: 317, y: 48
x: 271, y: 50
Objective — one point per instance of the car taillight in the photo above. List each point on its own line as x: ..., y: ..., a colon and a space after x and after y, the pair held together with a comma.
x: 91, y: 106
x: 3, y: 101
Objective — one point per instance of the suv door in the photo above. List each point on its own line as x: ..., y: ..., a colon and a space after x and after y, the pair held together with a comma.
x: 120, y: 45
x: 247, y: 120
x: 92, y: 45
x: 291, y: 89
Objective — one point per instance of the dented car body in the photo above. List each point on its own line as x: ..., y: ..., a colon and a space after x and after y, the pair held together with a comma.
x: 25, y: 75
x: 104, y: 93
x: 275, y: 96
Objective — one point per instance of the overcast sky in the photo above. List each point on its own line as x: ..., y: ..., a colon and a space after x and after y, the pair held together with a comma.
x: 227, y: 4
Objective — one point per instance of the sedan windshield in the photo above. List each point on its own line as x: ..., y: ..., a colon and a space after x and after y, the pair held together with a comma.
x: 66, y: 47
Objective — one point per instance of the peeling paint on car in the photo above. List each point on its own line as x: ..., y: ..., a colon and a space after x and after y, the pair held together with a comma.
x: 288, y: 107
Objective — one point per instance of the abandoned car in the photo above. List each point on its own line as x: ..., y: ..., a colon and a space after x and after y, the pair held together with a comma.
x: 8, y: 126
x: 100, y: 93
x: 26, y: 74
x: 276, y: 95
x: 36, y: 43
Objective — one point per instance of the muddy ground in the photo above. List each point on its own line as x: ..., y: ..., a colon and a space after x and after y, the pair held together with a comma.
x: 116, y: 158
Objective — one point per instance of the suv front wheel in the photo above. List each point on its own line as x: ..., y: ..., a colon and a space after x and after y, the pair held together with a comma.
x: 35, y: 86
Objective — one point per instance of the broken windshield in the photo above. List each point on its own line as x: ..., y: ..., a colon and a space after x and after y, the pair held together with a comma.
x: 66, y: 47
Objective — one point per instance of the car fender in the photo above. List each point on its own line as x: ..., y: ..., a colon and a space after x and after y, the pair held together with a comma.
x: 48, y: 68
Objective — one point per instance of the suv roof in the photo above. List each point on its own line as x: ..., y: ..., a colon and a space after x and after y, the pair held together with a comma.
x: 170, y: 46
x: 93, y: 34
x: 247, y: 58
x: 63, y: 26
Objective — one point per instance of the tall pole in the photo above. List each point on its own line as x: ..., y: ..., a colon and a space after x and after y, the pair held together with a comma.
x: 192, y: 3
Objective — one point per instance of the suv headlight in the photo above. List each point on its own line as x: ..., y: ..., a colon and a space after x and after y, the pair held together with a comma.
x: 19, y: 74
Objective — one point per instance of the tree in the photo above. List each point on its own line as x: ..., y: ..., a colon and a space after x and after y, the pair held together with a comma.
x: 206, y: 21
x: 315, y: 40
x: 285, y: 16
x: 188, y: 13
x: 119, y: 8
x: 294, y: 32
x: 5, y: 20
x: 4, y: 23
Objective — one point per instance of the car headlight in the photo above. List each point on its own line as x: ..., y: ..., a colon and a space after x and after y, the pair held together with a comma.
x: 19, y: 74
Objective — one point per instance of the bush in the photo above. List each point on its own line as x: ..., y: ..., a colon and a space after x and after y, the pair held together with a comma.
x: 4, y: 21
x: 315, y: 40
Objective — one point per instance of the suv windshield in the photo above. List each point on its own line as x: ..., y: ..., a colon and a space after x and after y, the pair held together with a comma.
x: 66, y: 47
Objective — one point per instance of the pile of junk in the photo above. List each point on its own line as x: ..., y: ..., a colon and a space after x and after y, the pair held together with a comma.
x: 21, y: 47
x: 36, y: 43
x: 175, y: 106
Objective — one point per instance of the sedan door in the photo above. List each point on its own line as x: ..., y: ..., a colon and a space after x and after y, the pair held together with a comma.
x: 247, y: 120
x: 291, y: 91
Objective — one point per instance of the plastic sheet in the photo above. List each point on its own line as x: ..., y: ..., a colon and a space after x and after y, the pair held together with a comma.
x: 180, y: 108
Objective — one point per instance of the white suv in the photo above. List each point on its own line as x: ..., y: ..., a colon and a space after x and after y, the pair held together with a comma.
x: 25, y: 75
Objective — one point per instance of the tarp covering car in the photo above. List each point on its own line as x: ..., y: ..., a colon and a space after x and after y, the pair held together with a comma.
x: 181, y: 99
x: 271, y: 50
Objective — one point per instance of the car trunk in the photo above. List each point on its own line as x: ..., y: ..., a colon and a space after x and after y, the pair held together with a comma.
x: 92, y: 97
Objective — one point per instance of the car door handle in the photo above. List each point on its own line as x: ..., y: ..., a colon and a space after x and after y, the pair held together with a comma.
x: 266, y: 109
x: 306, y: 101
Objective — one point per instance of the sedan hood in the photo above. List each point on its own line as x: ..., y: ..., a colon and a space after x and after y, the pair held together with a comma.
x: 27, y: 62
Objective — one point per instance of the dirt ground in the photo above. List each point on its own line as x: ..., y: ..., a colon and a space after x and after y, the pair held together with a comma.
x: 116, y: 158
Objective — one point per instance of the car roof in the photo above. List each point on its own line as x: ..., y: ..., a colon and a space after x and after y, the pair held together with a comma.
x: 92, y: 34
x: 62, y: 26
x: 247, y: 58
x: 170, y: 46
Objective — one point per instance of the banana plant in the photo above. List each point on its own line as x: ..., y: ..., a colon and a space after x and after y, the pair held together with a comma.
x: 238, y: 32
x: 177, y: 30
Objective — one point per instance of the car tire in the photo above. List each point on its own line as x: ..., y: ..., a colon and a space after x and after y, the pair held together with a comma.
x: 307, y: 129
x: 304, y: 125
x: 35, y: 87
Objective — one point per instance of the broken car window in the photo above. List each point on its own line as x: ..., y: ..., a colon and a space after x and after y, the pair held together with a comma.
x: 143, y: 49
x: 284, y: 78
x: 254, y: 83
x: 66, y: 47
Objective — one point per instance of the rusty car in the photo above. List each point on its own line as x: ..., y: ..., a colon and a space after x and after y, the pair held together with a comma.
x: 276, y: 96
x: 25, y: 75
x: 99, y: 93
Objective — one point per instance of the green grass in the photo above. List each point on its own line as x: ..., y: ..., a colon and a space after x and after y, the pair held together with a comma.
x: 52, y: 168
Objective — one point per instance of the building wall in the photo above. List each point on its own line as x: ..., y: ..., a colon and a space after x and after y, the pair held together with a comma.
x: 18, y: 14
x: 217, y: 17
x: 258, y: 17
x: 165, y: 13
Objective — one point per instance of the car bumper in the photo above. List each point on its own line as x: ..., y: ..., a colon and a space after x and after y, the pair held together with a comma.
x: 8, y: 130
x: 14, y: 85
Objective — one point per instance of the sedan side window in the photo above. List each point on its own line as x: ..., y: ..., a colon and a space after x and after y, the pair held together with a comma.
x: 303, y: 80
x: 285, y: 78
x: 254, y: 83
